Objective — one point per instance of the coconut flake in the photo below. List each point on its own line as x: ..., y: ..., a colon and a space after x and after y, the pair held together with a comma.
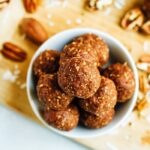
x: 9, y: 76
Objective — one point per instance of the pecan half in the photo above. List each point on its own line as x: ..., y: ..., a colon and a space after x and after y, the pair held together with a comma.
x: 133, y: 19
x: 146, y: 27
x: 34, y: 30
x: 31, y: 5
x: 3, y: 3
x: 13, y: 52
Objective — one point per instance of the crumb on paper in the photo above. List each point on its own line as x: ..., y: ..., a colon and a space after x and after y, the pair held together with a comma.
x: 68, y: 21
x: 110, y: 146
x: 130, y: 123
x: 145, y: 139
x: 9, y: 76
x: 129, y: 120
x: 78, y: 21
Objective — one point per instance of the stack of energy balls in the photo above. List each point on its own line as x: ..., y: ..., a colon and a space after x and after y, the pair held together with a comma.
x: 72, y: 87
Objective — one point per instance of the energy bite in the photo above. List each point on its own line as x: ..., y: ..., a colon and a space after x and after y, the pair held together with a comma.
x: 50, y: 94
x: 105, y: 98
x: 79, y: 77
x: 92, y: 121
x: 88, y: 46
x: 123, y: 78
x: 63, y: 119
x: 46, y: 62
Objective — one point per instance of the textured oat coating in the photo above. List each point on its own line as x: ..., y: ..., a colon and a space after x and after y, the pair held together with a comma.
x: 93, y: 121
x: 64, y: 119
x: 88, y: 46
x: 46, y: 62
x: 50, y: 94
x: 79, y: 77
x: 105, y: 98
x: 123, y: 78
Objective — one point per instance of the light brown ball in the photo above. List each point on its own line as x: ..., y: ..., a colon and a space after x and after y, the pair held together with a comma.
x: 88, y: 46
x: 123, y: 78
x: 46, y: 62
x: 92, y: 121
x: 50, y: 94
x: 79, y: 78
x: 64, y: 119
x: 105, y: 98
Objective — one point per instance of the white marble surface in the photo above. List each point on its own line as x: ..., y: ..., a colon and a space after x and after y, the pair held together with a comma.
x: 19, y: 133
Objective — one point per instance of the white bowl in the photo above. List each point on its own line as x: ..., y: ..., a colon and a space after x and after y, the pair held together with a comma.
x: 118, y: 53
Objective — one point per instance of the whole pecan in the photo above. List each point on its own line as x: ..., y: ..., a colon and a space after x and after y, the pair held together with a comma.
x: 34, y: 30
x: 133, y: 19
x: 13, y: 52
x: 3, y: 3
x: 146, y: 27
x: 31, y: 5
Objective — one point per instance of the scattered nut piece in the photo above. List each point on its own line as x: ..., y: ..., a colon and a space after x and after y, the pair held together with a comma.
x: 93, y: 5
x: 145, y: 58
x: 31, y: 5
x: 34, y: 30
x: 141, y: 105
x: 133, y: 19
x: 146, y: 27
x: 143, y: 83
x: 13, y: 52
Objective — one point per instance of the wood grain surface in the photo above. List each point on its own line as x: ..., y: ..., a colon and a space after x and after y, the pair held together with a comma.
x: 55, y: 19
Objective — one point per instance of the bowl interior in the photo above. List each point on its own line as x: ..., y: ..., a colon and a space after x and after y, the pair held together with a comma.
x: 117, y: 54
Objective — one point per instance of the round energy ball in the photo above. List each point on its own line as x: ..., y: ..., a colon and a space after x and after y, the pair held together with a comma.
x: 105, y: 98
x: 63, y: 119
x: 50, y: 94
x: 79, y: 78
x: 123, y: 78
x: 88, y: 46
x: 46, y: 62
x: 92, y: 121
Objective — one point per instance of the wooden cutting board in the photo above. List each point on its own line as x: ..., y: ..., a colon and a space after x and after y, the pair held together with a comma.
x: 134, y: 135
